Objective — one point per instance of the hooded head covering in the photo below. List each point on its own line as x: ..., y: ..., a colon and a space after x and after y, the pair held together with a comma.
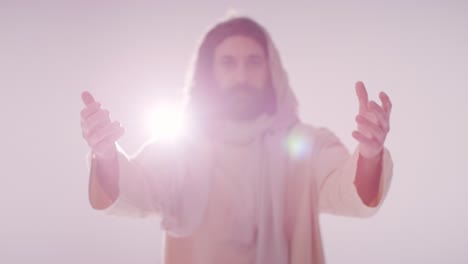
x: 266, y: 133
x: 202, y: 104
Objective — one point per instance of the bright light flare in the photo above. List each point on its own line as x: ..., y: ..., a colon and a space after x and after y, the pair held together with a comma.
x: 298, y: 146
x: 167, y: 122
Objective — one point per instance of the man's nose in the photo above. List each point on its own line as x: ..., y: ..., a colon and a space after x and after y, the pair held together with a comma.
x: 241, y: 75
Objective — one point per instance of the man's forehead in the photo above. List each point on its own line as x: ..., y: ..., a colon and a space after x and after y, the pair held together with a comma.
x: 239, y: 45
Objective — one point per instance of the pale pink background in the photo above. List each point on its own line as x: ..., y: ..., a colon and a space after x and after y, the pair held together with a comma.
x: 129, y: 54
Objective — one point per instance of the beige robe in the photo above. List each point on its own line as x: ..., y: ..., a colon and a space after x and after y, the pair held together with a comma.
x: 320, y: 178
x: 301, y: 172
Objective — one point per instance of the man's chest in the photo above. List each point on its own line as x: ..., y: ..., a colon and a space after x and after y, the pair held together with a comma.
x: 227, y: 233
x: 231, y: 213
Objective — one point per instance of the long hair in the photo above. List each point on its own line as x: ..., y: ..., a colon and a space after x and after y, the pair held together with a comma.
x: 199, y: 95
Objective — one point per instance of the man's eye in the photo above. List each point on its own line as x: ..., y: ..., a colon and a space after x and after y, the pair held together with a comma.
x: 229, y: 63
x: 255, y: 62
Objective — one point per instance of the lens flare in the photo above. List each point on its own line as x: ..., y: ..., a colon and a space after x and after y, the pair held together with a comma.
x: 167, y: 122
x: 299, y: 146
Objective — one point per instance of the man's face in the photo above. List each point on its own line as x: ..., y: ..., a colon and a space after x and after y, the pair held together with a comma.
x: 241, y: 74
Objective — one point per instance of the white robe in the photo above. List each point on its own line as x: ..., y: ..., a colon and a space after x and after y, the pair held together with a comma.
x: 319, y: 177
x: 295, y: 171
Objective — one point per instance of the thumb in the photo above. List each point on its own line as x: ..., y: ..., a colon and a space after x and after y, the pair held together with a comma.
x: 87, y: 98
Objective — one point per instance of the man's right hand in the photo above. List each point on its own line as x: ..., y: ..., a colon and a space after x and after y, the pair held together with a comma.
x: 98, y: 130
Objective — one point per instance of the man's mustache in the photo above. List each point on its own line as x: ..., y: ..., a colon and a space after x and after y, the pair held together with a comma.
x: 241, y: 88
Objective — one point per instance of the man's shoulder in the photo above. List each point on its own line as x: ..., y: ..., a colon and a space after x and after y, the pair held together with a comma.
x: 309, y: 130
x: 312, y: 135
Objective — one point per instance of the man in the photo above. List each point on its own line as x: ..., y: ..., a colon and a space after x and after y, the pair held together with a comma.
x: 248, y: 184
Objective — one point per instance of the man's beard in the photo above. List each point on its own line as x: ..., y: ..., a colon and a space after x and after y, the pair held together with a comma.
x: 243, y: 102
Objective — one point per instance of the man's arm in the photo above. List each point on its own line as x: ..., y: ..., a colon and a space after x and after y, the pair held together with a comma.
x: 373, y: 126
x: 103, y: 181
x: 344, y: 188
x: 101, y: 135
x: 119, y: 184
x: 363, y: 177
x: 368, y: 177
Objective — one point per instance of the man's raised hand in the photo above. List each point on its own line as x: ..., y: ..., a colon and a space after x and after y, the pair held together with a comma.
x: 373, y: 122
x: 97, y: 129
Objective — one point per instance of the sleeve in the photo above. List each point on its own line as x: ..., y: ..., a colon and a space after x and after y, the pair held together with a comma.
x: 170, y: 181
x: 336, y: 171
x: 147, y: 183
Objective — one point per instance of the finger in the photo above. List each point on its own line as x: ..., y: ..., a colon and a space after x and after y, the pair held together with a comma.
x: 362, y: 95
x: 365, y: 140
x: 366, y: 125
x: 386, y: 103
x: 376, y: 109
x: 97, y: 120
x: 380, y: 114
x: 90, y: 109
x: 87, y: 98
x: 112, y: 131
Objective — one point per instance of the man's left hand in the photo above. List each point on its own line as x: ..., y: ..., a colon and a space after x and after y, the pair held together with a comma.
x: 373, y: 123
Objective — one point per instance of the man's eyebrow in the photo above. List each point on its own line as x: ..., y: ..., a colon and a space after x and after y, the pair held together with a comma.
x: 256, y: 57
x: 227, y: 57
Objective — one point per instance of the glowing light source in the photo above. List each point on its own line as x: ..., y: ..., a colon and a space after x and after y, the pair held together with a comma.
x: 166, y: 122
x: 298, y: 145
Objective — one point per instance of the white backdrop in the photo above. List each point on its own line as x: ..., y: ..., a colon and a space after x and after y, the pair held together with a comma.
x: 131, y: 53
